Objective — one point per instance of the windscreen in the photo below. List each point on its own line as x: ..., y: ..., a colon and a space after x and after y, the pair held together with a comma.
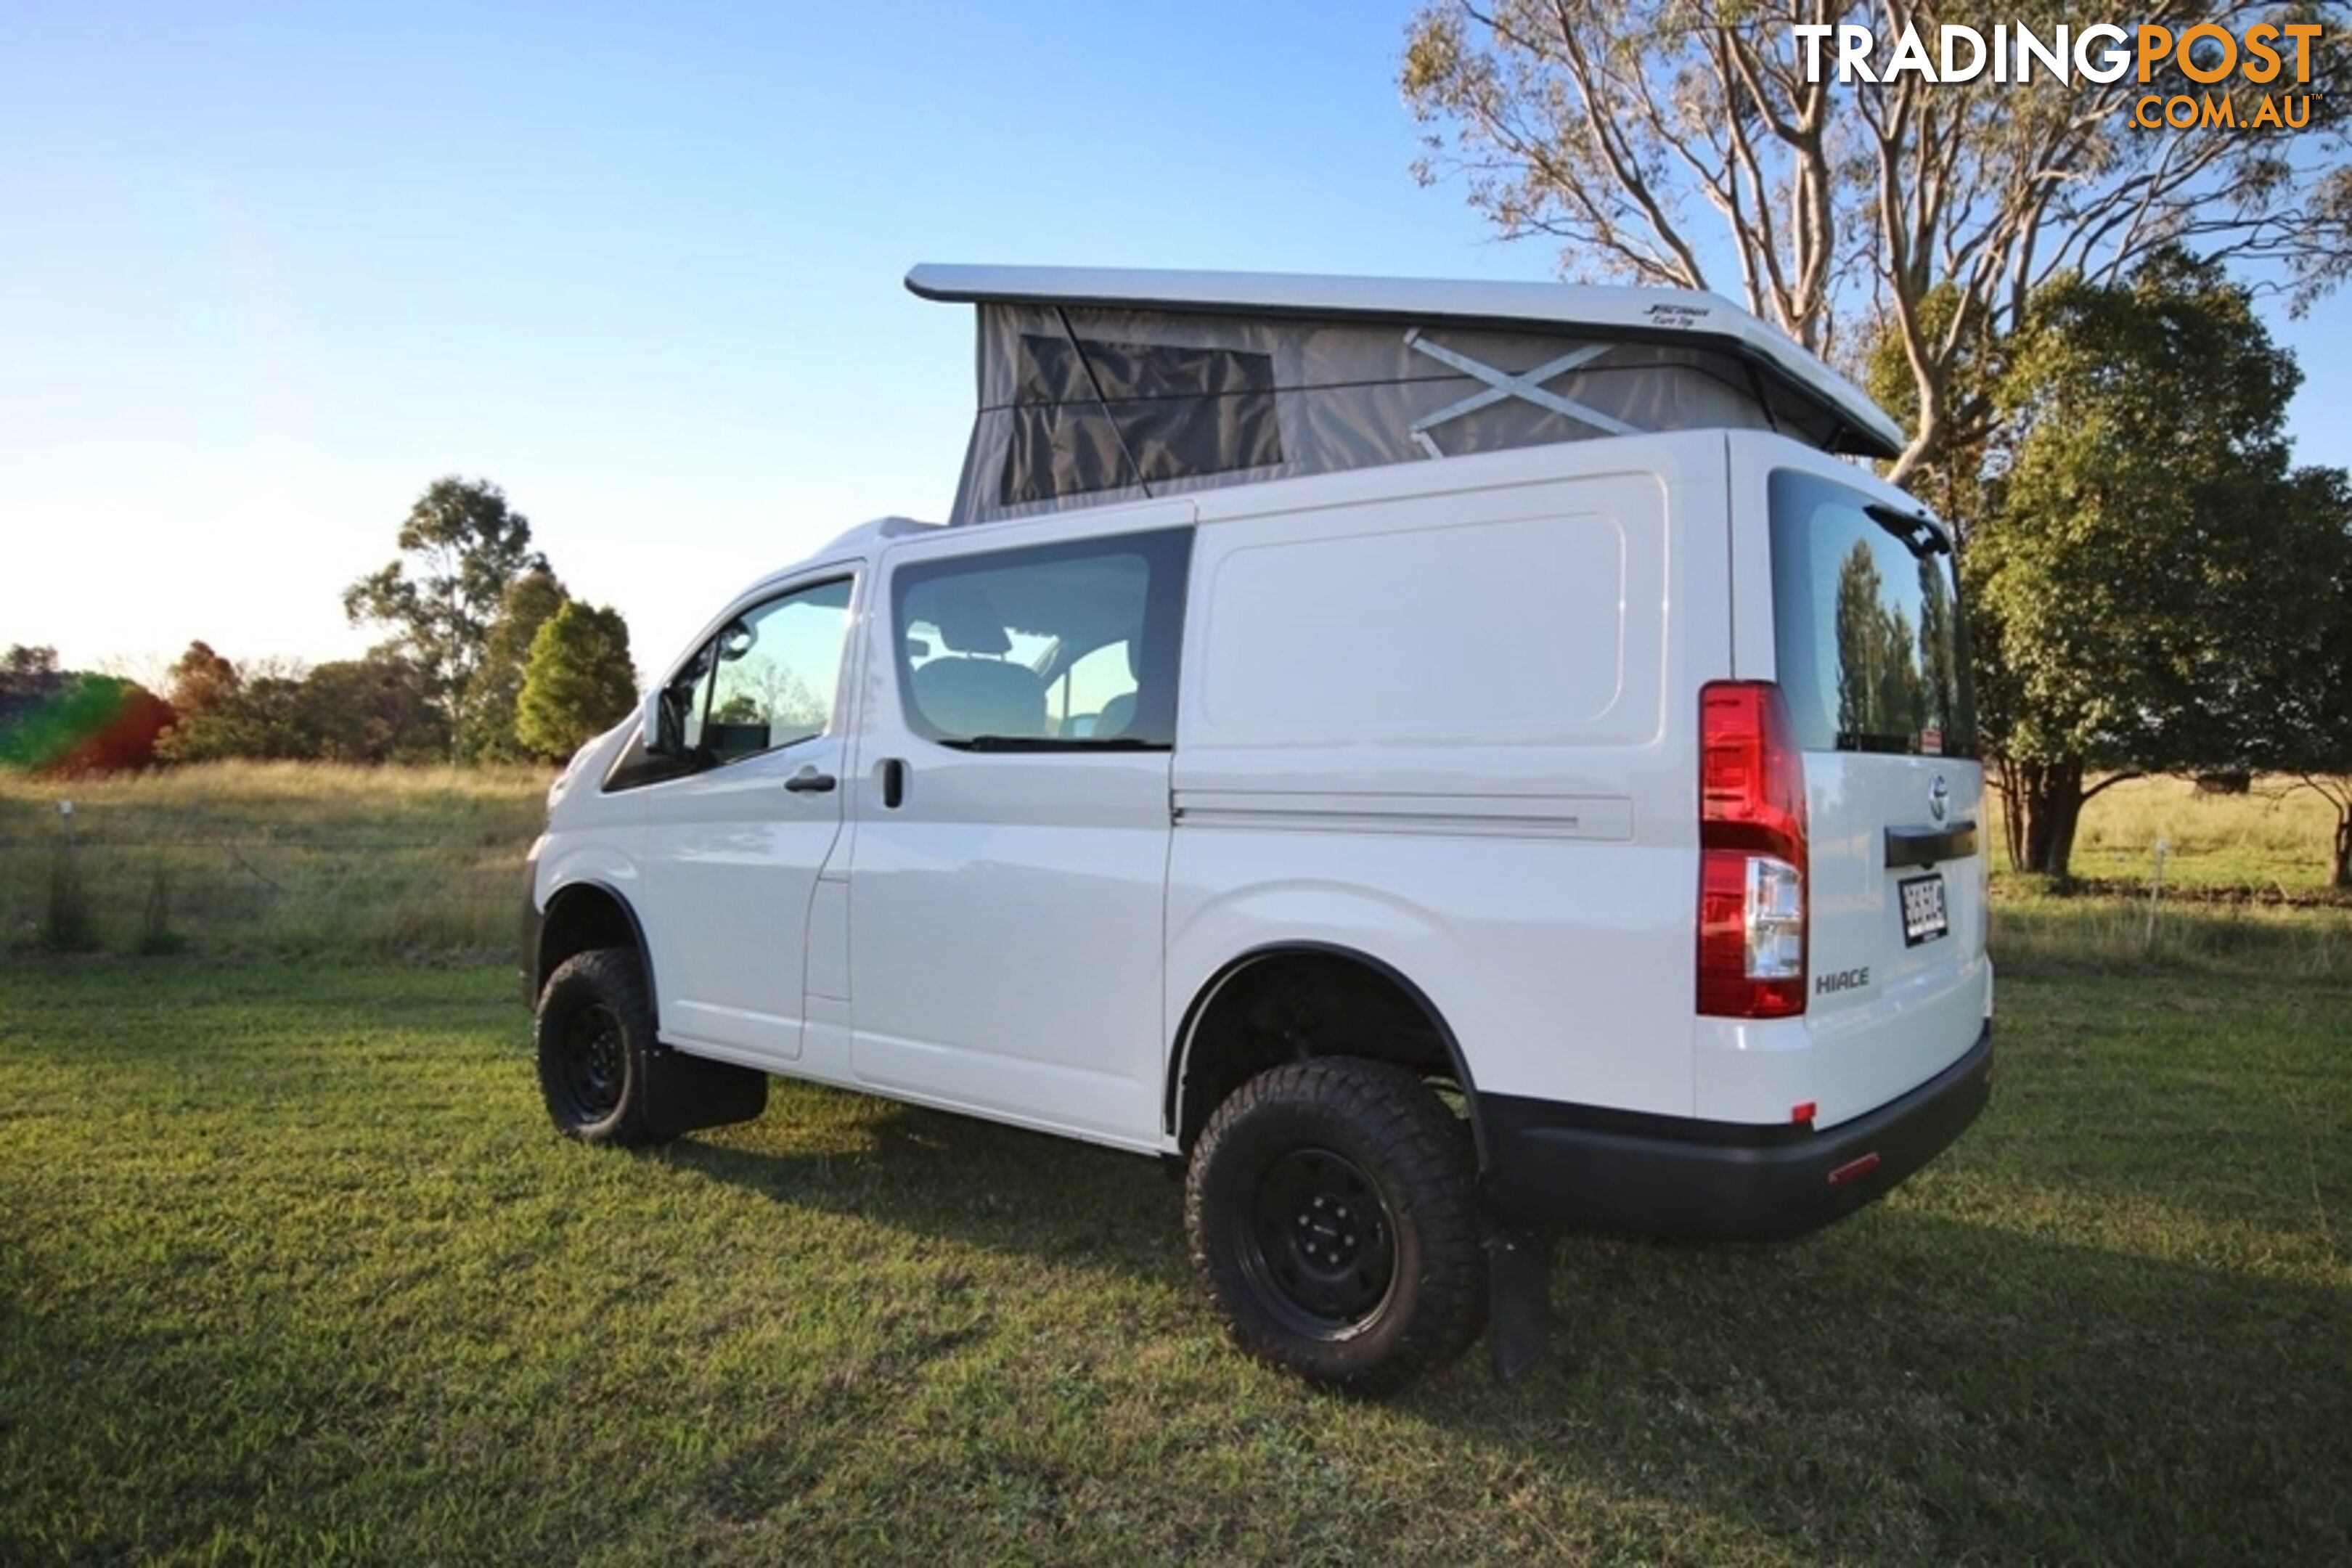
x: 1867, y: 623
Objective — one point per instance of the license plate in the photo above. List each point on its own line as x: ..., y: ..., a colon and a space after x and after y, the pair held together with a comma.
x: 1924, y: 918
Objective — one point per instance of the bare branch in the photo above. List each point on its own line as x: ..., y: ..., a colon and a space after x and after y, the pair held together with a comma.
x: 1849, y: 206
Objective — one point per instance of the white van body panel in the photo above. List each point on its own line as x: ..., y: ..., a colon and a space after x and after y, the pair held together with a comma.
x: 1429, y: 722
x: 603, y: 848
x: 1027, y: 898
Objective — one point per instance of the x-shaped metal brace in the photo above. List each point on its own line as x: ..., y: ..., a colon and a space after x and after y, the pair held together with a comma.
x: 1501, y: 384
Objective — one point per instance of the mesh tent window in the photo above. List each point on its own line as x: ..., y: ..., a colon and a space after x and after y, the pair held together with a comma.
x: 1090, y: 415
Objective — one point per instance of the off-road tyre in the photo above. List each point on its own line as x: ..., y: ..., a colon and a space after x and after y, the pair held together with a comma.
x: 595, y: 1044
x: 1332, y: 1207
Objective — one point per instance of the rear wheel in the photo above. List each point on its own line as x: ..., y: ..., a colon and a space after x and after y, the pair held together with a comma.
x: 1332, y: 1207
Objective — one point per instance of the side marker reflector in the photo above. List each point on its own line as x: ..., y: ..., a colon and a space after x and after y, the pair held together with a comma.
x: 1853, y: 1168
x: 1803, y: 1110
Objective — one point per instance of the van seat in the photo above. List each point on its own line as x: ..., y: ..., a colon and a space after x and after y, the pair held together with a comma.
x: 1117, y: 715
x: 967, y: 697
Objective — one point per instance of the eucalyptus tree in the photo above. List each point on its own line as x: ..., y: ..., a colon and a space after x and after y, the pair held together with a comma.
x: 461, y: 547
x: 1688, y: 144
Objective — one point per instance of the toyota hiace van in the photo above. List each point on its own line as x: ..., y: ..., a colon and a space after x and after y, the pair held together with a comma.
x: 1445, y: 762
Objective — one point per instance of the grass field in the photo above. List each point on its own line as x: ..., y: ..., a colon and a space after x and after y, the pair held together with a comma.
x: 295, y: 1270
x: 292, y: 1268
x: 2274, y: 838
x: 272, y: 860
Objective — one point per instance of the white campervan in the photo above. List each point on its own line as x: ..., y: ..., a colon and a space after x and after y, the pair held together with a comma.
x: 1447, y: 761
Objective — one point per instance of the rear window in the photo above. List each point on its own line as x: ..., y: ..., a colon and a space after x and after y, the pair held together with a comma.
x: 1867, y: 623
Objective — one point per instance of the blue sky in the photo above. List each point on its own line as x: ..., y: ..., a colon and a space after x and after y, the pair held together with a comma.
x: 266, y: 271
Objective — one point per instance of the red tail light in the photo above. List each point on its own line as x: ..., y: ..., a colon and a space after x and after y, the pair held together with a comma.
x: 1751, y: 833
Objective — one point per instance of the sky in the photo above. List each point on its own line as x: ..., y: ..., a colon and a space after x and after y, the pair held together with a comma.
x: 267, y: 272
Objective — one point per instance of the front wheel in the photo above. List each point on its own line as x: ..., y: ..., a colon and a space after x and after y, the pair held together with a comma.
x: 595, y: 1042
x: 1332, y: 1207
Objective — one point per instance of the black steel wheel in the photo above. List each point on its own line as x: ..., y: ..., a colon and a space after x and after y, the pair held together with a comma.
x: 591, y: 1064
x: 1318, y: 1243
x: 1332, y: 1207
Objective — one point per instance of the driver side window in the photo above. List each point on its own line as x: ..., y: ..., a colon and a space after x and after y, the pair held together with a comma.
x: 766, y: 681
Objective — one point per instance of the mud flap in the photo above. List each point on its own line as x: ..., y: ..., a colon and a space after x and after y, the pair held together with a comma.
x: 1518, y: 1301
x: 693, y: 1092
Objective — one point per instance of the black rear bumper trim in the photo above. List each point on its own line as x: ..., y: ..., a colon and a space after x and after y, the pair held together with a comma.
x: 1929, y: 846
x: 1565, y: 1165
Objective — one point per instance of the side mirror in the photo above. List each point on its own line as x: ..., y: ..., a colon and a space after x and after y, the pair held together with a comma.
x: 650, y: 725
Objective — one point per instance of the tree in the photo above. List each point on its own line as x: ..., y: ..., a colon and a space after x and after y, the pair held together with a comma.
x: 461, y: 548
x: 1651, y: 138
x: 201, y: 681
x: 374, y: 710
x: 261, y: 720
x: 579, y: 681
x: 489, y: 732
x: 27, y: 672
x: 2146, y: 569
x: 2312, y: 740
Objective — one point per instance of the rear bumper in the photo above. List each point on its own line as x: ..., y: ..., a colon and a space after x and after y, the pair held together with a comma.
x: 1554, y: 1165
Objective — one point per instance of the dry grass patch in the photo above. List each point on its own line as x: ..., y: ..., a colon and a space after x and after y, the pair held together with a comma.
x: 270, y: 858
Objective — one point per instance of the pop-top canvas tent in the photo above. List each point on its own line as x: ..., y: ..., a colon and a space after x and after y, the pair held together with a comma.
x: 1102, y: 385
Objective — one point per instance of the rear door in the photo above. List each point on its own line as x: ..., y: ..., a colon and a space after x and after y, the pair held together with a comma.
x: 1848, y: 595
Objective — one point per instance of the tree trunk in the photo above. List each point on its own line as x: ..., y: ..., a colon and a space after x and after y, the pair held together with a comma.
x: 2041, y: 803
x: 2003, y: 779
x: 2340, y: 874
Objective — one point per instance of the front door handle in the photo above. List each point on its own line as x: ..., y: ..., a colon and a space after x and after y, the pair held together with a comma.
x: 808, y: 781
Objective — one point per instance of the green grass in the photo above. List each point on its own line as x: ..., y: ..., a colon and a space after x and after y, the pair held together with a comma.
x: 2038, y: 933
x: 292, y: 1268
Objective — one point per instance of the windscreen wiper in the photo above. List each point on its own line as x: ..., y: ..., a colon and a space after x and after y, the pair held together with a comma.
x: 1922, y: 535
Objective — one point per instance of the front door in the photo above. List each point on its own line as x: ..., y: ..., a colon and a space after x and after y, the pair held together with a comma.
x: 734, y: 846
x: 1008, y: 876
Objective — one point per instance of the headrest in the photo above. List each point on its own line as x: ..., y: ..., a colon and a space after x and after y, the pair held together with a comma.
x: 967, y: 621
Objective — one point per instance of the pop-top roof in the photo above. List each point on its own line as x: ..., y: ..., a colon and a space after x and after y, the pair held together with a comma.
x: 1102, y: 383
